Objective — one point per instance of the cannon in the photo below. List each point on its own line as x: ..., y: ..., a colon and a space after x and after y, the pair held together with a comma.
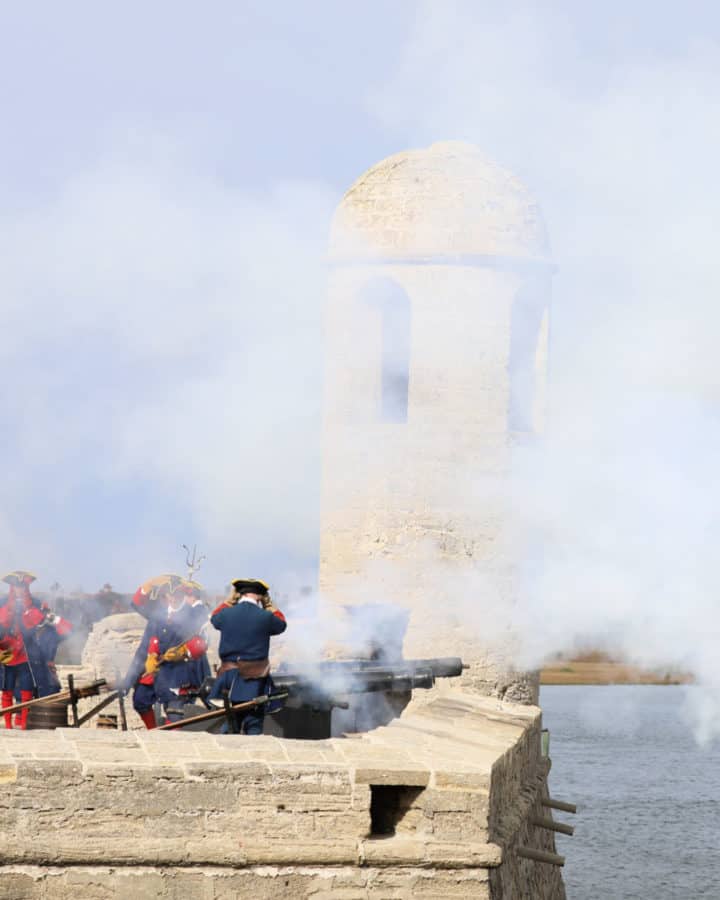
x: 336, y: 696
x: 333, y: 696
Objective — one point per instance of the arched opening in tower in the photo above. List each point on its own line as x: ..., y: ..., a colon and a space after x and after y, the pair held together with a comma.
x: 529, y: 309
x: 393, y: 309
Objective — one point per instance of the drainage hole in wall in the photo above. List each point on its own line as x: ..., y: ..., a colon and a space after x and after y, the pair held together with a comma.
x: 388, y: 805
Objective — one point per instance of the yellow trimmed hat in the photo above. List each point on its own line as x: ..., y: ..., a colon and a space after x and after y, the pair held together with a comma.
x: 19, y: 578
x: 250, y: 586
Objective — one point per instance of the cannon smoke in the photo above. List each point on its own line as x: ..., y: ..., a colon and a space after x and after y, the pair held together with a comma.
x: 165, y: 306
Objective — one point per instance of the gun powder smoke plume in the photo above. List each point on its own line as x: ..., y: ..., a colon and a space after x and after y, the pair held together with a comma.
x: 182, y: 314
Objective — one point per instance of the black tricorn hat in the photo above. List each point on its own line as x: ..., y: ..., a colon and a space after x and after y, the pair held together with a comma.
x: 250, y: 586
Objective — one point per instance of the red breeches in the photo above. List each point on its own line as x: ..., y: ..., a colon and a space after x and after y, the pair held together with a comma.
x: 7, y: 700
x: 148, y: 717
x: 22, y: 716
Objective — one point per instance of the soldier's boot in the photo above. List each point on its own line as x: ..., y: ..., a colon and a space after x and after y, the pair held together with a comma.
x: 148, y: 717
x: 24, y: 697
x: 7, y: 700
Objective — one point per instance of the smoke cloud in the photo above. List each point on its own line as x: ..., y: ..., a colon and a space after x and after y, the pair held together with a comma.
x: 162, y: 306
x: 620, y: 501
x: 166, y: 356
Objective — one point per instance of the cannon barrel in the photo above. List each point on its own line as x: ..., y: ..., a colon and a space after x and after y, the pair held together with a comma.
x: 339, y: 677
x: 323, y: 685
x: 351, y: 682
x: 442, y: 667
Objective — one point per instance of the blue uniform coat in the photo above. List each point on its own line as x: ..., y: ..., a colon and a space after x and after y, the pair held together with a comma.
x: 245, y: 632
x: 171, y: 629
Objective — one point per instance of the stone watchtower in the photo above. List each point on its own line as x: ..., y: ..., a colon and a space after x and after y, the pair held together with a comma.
x: 436, y: 336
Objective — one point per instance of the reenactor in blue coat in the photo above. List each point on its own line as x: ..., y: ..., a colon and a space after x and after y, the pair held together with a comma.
x: 246, y: 622
x: 170, y: 664
x: 42, y: 649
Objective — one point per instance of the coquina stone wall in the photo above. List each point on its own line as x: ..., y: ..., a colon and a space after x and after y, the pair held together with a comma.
x: 432, y: 805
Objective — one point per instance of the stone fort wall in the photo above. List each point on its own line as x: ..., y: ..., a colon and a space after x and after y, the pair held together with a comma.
x: 433, y: 805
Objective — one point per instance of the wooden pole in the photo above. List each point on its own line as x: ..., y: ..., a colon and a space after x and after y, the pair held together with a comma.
x: 552, y: 825
x: 96, y: 709
x: 541, y: 856
x: 73, y: 701
x: 229, y: 714
x: 217, y: 713
x: 558, y: 804
x: 61, y: 697
x: 123, y: 715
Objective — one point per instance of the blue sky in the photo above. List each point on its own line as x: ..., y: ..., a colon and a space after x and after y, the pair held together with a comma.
x: 168, y: 172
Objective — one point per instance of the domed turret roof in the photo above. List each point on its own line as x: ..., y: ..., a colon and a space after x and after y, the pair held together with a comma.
x: 446, y: 201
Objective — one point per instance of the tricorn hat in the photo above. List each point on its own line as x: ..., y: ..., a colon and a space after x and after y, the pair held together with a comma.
x: 250, y: 586
x: 190, y: 587
x: 19, y: 578
x: 162, y: 584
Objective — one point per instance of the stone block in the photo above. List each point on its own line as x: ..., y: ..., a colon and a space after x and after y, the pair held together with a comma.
x: 361, y: 797
x: 247, y: 743
x: 206, y: 795
x: 463, y: 855
x: 182, y: 884
x: 55, y: 754
x: 395, y: 850
x: 15, y: 885
x: 127, y: 755
x: 153, y: 775
x: 433, y: 801
x: 349, y: 893
x: 226, y: 757
x: 238, y: 773
x: 62, y: 773
x: 172, y: 755
x: 439, y: 885
x: 101, y: 884
x: 340, y: 824
x: 269, y: 884
x: 454, y: 778
x: 256, y: 824
x: 301, y: 853
x: 139, y: 886
x: 405, y: 776
x: 8, y: 773
x: 459, y: 826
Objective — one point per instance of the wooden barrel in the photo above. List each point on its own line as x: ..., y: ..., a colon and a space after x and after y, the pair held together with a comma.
x: 48, y: 715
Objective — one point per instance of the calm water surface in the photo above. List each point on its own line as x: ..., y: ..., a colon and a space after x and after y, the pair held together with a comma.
x: 648, y: 823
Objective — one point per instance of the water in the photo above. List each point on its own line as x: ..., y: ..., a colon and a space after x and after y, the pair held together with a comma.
x: 648, y: 823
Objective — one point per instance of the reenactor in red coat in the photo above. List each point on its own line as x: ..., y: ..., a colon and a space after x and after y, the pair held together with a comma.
x: 170, y: 663
x: 20, y: 616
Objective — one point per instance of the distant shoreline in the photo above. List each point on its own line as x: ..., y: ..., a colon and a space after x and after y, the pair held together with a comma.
x: 595, y: 669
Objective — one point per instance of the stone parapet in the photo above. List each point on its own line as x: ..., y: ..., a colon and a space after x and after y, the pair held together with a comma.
x: 417, y: 808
